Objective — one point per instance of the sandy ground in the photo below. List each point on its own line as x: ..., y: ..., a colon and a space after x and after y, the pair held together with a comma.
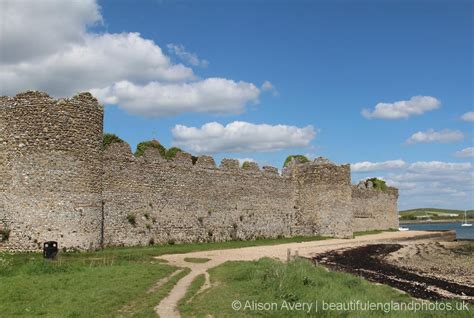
x: 451, y: 261
x: 168, y: 306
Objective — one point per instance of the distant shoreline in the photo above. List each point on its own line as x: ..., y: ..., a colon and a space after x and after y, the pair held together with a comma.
x: 434, y: 221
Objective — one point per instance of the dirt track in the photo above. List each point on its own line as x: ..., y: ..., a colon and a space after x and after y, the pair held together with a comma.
x: 168, y: 306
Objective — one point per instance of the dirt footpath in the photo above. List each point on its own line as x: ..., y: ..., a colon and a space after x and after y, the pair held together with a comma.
x: 168, y: 306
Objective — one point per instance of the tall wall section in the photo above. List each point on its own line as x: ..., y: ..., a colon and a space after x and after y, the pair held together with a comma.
x: 323, y: 198
x: 51, y: 170
x: 148, y: 199
x: 374, y: 209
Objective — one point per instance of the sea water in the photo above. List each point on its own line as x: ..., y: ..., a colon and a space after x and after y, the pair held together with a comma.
x: 462, y: 232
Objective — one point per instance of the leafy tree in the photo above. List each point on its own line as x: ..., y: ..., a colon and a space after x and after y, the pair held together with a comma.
x: 150, y: 144
x: 109, y: 139
x: 299, y: 158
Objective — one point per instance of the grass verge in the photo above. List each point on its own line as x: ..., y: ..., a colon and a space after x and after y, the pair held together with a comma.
x: 362, y: 233
x: 144, y: 306
x: 193, y: 289
x: 196, y: 259
x: 76, y: 287
x: 267, y: 281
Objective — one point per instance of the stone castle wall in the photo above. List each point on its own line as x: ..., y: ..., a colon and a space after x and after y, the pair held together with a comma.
x: 51, y: 170
x: 374, y: 209
x: 57, y: 183
x: 181, y: 202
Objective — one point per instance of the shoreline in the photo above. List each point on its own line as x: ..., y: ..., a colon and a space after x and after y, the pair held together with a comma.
x: 430, y: 270
x: 434, y: 221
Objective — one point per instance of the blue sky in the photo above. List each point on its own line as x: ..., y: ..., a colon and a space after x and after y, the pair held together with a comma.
x: 322, y: 62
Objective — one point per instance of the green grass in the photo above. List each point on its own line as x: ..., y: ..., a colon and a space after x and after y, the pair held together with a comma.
x: 362, y: 233
x: 145, y: 304
x: 270, y: 281
x: 422, y: 211
x: 96, y: 284
x: 195, y: 286
x: 434, y: 214
x: 196, y: 260
x: 77, y: 286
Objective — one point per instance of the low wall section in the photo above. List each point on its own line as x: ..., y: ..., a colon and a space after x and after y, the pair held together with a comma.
x: 374, y: 209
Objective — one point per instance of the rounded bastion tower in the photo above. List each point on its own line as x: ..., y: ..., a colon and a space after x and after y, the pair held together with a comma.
x: 51, y: 171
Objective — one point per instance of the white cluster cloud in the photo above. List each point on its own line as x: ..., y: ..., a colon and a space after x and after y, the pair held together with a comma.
x: 465, y: 153
x: 366, y: 166
x: 191, y: 58
x: 46, y: 46
x: 34, y: 29
x: 426, y: 183
x: 443, y: 136
x: 212, y: 95
x: 239, y: 136
x: 469, y: 116
x: 417, y: 105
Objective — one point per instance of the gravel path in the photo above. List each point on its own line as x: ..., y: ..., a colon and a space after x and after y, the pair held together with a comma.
x: 168, y: 306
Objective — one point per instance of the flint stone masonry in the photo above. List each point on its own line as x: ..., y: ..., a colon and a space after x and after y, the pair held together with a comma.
x: 374, y: 209
x: 58, y: 183
x: 51, y: 170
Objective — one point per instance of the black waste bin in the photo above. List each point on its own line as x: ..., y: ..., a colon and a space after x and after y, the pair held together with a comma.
x: 50, y: 249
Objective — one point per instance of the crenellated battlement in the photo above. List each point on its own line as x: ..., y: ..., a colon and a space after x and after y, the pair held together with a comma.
x: 121, y: 151
x: 57, y: 182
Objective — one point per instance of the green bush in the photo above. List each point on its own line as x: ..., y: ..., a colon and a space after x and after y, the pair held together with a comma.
x: 109, y: 139
x: 171, y: 153
x: 132, y: 219
x: 144, y: 145
x: 378, y: 184
x: 4, y: 234
x: 246, y: 165
x: 299, y: 158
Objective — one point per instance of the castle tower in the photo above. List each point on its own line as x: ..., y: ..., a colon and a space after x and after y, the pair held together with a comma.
x: 323, y: 198
x: 50, y: 171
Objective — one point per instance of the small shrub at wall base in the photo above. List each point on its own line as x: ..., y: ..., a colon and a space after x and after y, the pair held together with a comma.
x: 4, y: 234
x: 131, y: 219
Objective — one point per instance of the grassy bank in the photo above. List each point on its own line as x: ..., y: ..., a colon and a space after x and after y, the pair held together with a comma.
x: 371, y: 232
x: 435, y: 214
x: 272, y: 282
x: 77, y: 286
x: 112, y: 282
